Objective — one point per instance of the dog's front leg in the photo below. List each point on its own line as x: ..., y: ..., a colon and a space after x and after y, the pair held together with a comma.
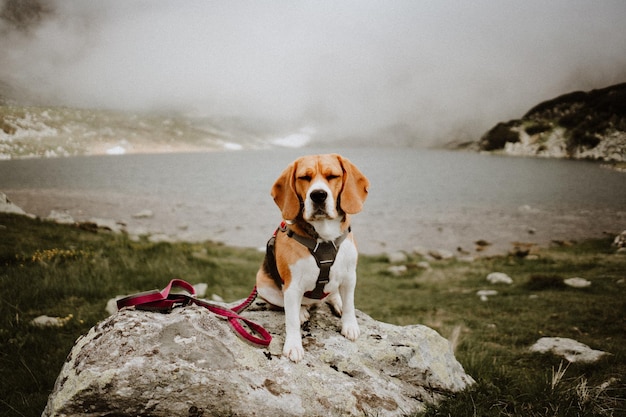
x: 349, y: 326
x: 293, y: 340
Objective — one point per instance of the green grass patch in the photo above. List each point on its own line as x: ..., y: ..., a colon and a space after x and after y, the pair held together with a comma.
x: 64, y: 271
x: 492, y: 338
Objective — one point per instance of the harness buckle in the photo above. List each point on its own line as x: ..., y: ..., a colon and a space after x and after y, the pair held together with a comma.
x: 324, y: 253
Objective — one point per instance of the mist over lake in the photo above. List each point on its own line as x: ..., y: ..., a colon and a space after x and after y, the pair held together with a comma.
x: 427, y: 198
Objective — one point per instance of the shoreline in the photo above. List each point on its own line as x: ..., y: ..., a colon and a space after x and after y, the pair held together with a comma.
x: 462, y: 209
x: 464, y: 235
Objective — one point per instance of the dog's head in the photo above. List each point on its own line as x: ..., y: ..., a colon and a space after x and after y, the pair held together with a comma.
x: 320, y: 187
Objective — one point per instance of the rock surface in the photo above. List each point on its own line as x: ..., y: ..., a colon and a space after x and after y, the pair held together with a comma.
x: 396, y: 257
x: 499, y: 278
x: 570, y: 349
x: 577, y: 282
x: 484, y: 294
x: 620, y: 240
x: 6, y: 206
x: 190, y: 362
x: 60, y: 217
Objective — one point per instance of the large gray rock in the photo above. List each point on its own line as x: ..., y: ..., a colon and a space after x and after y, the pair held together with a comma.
x: 190, y: 362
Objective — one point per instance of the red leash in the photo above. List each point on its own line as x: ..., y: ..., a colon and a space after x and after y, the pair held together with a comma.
x: 164, y: 301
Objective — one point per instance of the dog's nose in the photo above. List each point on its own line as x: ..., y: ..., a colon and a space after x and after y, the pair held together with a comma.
x: 319, y: 196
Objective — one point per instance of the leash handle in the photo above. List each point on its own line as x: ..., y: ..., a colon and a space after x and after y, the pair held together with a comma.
x: 235, y: 321
x: 157, y: 300
x: 164, y: 301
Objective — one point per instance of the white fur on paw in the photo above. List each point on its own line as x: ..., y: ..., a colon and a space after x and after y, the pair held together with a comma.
x: 294, y: 352
x: 351, y: 331
x: 304, y: 314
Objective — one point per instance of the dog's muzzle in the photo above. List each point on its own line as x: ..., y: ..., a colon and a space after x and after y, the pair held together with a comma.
x: 319, y: 197
x: 318, y: 208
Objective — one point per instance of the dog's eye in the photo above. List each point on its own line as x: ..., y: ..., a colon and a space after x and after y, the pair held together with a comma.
x: 331, y: 177
x: 306, y: 178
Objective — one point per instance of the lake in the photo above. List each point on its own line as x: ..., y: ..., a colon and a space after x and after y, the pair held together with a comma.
x: 418, y: 198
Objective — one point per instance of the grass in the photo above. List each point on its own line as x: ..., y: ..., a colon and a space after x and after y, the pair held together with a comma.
x: 68, y: 272
x: 493, y: 337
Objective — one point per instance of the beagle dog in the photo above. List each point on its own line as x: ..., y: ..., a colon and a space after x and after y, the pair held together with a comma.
x: 313, y: 255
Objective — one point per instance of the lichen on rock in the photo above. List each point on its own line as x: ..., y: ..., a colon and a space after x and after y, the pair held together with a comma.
x: 138, y: 362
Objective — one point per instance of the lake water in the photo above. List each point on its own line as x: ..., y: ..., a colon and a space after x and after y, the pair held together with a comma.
x: 426, y: 198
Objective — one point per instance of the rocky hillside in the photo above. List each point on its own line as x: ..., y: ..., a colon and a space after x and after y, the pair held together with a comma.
x: 580, y: 125
x: 37, y: 131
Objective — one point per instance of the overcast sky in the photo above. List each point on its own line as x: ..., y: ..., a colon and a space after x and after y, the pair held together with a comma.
x: 406, y: 71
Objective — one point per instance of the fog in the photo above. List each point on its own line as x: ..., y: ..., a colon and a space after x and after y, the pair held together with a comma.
x: 402, y: 72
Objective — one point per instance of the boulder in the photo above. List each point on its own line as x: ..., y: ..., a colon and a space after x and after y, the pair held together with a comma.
x: 423, y: 265
x: 484, y: 294
x: 420, y: 251
x: 61, y: 217
x: 570, y: 349
x: 619, y: 241
x: 441, y: 254
x: 6, y: 206
x: 397, y: 270
x: 499, y: 278
x: 47, y: 321
x: 397, y: 257
x: 110, y: 224
x: 190, y: 362
x: 577, y: 282
x: 200, y: 289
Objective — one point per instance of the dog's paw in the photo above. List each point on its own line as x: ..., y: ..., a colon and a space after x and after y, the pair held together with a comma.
x: 304, y: 315
x: 350, y: 331
x: 294, y: 351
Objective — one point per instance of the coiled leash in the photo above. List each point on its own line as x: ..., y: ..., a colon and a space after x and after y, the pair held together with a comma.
x: 164, y: 301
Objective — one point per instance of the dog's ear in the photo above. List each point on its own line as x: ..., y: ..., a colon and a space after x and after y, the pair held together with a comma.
x: 284, y: 193
x: 355, y: 187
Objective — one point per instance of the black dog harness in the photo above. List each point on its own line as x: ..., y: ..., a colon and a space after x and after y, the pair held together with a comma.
x: 323, y: 252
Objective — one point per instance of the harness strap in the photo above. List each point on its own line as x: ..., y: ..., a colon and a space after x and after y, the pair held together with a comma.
x: 164, y: 301
x: 324, y: 254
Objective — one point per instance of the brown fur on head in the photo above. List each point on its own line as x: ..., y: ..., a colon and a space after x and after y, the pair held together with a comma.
x: 348, y: 185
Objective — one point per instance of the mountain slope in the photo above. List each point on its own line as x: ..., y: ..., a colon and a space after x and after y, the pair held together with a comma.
x: 580, y: 125
x: 31, y: 131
